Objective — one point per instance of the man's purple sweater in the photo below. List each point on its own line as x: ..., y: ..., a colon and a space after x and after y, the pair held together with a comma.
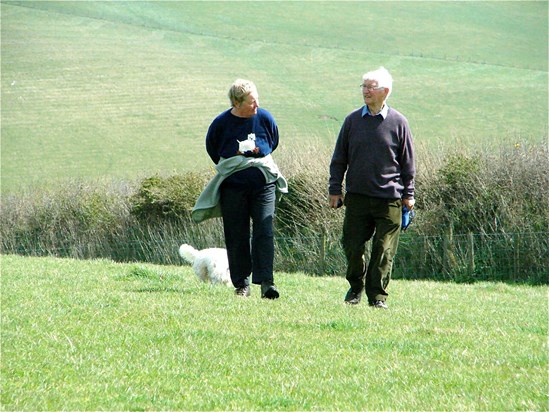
x: 376, y: 156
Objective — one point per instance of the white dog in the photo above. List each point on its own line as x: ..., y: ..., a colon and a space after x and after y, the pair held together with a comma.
x: 210, y: 265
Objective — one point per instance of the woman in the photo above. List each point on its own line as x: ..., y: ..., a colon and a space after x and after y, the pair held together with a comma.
x: 240, y: 142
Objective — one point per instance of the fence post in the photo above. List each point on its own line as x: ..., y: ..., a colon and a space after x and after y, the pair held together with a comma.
x: 449, y: 260
x: 323, y: 251
x: 471, y: 253
x: 516, y: 255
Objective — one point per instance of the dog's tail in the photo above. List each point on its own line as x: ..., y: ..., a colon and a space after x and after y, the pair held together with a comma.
x: 188, y: 253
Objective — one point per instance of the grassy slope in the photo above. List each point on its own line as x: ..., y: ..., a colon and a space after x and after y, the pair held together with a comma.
x: 128, y: 89
x: 95, y: 335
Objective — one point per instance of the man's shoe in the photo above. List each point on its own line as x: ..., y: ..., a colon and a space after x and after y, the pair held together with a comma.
x: 380, y: 304
x: 352, y: 298
x: 269, y: 291
x: 243, y: 291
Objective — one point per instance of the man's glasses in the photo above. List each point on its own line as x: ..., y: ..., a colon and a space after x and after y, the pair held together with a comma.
x: 371, y: 88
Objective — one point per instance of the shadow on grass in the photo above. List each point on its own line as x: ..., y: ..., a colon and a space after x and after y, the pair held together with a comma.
x: 165, y: 289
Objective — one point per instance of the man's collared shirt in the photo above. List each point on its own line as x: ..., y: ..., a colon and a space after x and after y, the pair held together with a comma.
x: 383, y: 113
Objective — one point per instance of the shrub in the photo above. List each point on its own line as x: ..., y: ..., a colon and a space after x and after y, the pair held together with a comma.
x: 500, y: 192
x: 170, y: 197
x: 63, y: 220
x: 499, y: 197
x: 457, y: 196
x: 304, y: 210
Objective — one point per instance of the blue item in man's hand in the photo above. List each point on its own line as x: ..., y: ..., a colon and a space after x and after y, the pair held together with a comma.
x: 407, y: 217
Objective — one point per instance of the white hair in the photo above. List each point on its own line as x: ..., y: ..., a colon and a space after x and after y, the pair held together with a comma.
x: 382, y: 77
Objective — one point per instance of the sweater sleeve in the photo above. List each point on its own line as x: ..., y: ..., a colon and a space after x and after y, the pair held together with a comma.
x: 339, y: 162
x: 272, y: 131
x: 212, y: 143
x: 407, y: 163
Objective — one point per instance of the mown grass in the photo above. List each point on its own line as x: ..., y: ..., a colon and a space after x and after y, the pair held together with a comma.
x: 97, y: 335
x: 127, y: 89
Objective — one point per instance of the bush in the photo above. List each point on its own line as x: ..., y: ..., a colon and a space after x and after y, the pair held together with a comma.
x: 65, y: 220
x: 475, y: 212
x: 459, y: 196
x: 493, y: 193
x: 170, y: 197
x: 304, y: 210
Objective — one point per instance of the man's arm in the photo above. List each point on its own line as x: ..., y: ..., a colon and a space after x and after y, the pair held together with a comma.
x: 338, y: 164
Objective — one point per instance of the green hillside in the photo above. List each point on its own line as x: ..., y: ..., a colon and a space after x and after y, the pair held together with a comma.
x: 127, y: 89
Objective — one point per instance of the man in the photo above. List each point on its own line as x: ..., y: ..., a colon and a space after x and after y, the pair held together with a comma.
x: 374, y: 152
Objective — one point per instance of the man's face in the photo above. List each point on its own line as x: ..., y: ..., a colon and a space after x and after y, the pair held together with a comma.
x: 372, y: 93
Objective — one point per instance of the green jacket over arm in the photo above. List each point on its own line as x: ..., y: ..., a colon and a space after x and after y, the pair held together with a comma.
x: 208, y: 206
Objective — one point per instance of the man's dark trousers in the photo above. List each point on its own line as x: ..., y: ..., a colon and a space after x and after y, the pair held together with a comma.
x: 366, y: 217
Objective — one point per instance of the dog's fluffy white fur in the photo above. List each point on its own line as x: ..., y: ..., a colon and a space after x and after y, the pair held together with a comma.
x: 209, y: 265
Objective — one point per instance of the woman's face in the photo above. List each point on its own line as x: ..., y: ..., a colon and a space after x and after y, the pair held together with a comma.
x: 249, y: 106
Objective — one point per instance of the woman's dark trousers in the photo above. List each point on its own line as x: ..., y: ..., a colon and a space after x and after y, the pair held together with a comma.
x: 241, y: 203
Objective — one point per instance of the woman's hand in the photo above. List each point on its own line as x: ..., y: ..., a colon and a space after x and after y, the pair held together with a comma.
x: 335, y: 201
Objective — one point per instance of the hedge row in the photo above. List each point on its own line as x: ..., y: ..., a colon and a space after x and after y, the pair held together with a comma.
x: 462, y: 195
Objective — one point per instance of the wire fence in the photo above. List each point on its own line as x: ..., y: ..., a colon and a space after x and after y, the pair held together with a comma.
x: 469, y: 257
x: 516, y: 257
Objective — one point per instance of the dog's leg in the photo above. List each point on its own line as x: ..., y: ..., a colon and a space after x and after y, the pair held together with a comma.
x: 201, y: 271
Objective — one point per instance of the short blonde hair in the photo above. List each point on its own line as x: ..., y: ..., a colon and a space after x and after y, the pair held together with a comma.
x: 382, y: 77
x: 239, y: 90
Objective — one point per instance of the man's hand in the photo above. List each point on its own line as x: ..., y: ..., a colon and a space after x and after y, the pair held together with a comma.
x: 335, y: 201
x: 409, y: 203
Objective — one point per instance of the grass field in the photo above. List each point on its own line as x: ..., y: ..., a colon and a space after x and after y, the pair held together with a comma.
x: 96, y: 335
x: 127, y: 89
x: 121, y: 90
